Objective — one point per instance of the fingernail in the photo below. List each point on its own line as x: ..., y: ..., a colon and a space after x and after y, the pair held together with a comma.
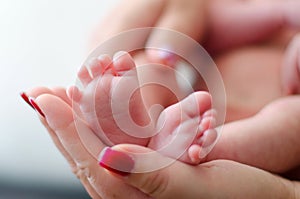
x: 36, y: 107
x: 26, y: 99
x: 166, y: 57
x: 116, y: 161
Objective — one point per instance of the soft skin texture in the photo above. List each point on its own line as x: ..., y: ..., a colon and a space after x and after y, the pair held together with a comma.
x: 60, y: 124
x: 208, y: 180
x: 248, y: 22
x: 63, y: 131
x: 233, y: 18
x: 104, y: 104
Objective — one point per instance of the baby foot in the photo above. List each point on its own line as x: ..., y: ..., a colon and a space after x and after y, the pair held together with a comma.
x: 291, y: 68
x: 110, y: 101
x: 186, y: 129
x: 183, y: 130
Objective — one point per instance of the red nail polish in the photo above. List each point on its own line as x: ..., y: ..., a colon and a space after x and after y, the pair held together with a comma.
x: 36, y: 107
x: 26, y: 99
x: 165, y: 57
x: 117, y: 162
x: 168, y: 58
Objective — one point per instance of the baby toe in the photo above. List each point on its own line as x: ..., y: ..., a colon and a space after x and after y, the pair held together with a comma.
x: 207, y: 122
x: 210, y: 113
x: 122, y: 62
x: 105, y: 63
x: 74, y: 93
x: 196, y: 104
x: 207, y: 141
x: 84, y: 76
x: 95, y: 67
x: 193, y: 154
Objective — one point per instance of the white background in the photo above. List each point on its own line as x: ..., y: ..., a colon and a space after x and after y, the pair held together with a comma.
x: 42, y: 42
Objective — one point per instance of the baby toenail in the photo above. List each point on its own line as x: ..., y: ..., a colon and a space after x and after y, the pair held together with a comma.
x: 119, y: 54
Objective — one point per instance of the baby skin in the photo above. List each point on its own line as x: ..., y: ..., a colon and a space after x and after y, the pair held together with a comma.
x: 256, y: 128
x: 269, y: 139
x: 182, y: 120
x: 117, y: 115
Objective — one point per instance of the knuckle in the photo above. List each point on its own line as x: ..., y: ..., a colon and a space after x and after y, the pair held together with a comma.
x: 92, y: 177
x: 81, y: 171
x: 156, y: 184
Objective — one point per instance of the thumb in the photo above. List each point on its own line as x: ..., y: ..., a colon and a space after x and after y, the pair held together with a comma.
x: 164, y: 43
x: 148, y: 171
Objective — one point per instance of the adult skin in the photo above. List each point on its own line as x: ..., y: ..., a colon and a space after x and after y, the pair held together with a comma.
x: 60, y: 124
x: 215, y: 179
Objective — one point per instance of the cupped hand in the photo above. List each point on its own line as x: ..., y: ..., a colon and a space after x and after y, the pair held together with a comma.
x: 215, y: 179
x: 56, y: 114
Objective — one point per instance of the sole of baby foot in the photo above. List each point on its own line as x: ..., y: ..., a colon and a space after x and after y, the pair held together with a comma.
x: 104, y: 100
x: 189, y: 123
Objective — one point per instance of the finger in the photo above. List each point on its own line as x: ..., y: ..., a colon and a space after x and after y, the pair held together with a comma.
x: 291, y: 68
x: 60, y: 123
x: 57, y: 91
x: 67, y: 126
x: 230, y: 179
x: 89, y: 188
x: 85, y: 182
x: 58, y: 144
x: 127, y: 15
x: 83, y: 146
x: 60, y: 93
x: 125, y: 162
x: 34, y: 93
x: 180, y: 16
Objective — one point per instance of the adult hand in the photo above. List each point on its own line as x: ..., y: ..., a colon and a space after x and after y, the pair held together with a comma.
x: 56, y: 114
x: 216, y: 22
x: 216, y: 179
x: 56, y: 107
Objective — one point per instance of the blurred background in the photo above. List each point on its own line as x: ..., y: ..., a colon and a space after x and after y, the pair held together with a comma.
x: 42, y: 42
